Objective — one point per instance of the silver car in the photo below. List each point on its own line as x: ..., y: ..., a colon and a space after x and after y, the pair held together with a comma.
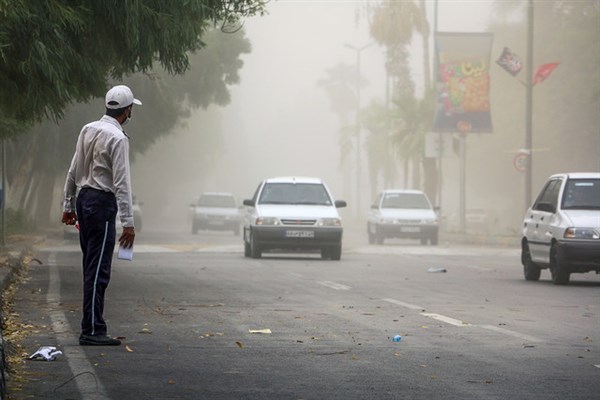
x: 216, y: 211
x: 561, y: 230
x: 402, y: 214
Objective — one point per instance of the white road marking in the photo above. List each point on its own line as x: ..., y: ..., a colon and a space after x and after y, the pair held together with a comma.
x: 510, y: 333
x: 333, y: 285
x: 231, y: 248
x: 445, y: 319
x: 456, y: 322
x: 405, y: 250
x: 403, y: 304
x: 66, y: 336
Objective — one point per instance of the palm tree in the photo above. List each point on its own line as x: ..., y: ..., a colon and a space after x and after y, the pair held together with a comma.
x: 392, y: 25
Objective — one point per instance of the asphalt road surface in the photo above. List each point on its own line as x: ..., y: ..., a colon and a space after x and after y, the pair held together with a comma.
x: 200, y: 321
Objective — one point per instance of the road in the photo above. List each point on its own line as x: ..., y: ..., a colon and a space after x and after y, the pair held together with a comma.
x: 192, y: 312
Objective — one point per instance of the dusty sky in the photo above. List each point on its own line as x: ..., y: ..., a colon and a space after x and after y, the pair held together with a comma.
x: 279, y: 121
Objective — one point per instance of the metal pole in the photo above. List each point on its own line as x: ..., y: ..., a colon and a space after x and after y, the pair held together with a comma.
x: 463, y: 180
x: 358, y: 125
x: 358, y: 144
x: 529, y: 107
x: 440, y: 141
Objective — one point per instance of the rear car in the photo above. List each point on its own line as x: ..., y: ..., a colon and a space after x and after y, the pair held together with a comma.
x: 216, y: 211
x: 293, y: 214
x: 405, y: 214
x: 561, y: 230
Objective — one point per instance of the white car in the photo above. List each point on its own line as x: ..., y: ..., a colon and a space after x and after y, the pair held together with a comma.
x: 216, y: 211
x: 561, y: 230
x: 402, y: 214
x: 293, y: 213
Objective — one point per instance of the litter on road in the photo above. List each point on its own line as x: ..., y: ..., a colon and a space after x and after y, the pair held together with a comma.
x: 432, y: 269
x: 259, y: 331
x: 47, y: 353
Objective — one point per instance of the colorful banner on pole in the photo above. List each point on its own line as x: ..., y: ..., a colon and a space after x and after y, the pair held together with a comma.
x: 510, y: 62
x: 463, y: 82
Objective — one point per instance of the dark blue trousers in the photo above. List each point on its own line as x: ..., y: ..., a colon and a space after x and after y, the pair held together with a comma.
x: 96, y: 213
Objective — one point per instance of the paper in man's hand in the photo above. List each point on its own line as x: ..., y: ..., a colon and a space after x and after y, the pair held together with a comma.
x: 125, y: 253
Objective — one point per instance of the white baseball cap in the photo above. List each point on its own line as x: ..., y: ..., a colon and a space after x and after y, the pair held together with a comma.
x: 120, y: 96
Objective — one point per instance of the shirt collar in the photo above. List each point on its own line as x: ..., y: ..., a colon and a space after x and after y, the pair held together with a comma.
x: 111, y: 120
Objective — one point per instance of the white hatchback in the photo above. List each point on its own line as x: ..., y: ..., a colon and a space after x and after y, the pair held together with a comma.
x: 293, y: 213
x: 561, y: 230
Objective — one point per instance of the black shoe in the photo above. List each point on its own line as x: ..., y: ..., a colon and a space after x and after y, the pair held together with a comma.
x: 97, y: 340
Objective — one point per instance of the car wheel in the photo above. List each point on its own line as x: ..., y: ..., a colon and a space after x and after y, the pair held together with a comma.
x: 370, y: 234
x: 255, y: 251
x: 247, y: 250
x: 531, y: 270
x: 336, y: 252
x: 325, y: 253
x: 434, y: 239
x: 379, y: 238
x: 560, y: 276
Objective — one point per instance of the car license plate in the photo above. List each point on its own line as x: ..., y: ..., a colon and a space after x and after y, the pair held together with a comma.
x: 300, y: 234
x: 410, y: 229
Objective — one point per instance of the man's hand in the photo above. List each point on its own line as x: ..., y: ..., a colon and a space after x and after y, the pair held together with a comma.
x: 69, y: 218
x: 127, y: 237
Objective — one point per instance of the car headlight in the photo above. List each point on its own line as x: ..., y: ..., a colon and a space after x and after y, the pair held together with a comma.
x: 329, y: 222
x: 582, y: 233
x: 268, y: 221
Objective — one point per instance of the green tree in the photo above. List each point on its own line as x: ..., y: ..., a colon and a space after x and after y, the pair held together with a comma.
x: 57, y: 52
x: 38, y: 160
x: 392, y: 24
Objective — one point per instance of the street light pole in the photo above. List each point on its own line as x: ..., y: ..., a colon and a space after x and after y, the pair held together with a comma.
x: 529, y: 111
x: 358, y: 50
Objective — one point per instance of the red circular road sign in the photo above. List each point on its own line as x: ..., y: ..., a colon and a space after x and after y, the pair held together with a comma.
x: 520, y: 162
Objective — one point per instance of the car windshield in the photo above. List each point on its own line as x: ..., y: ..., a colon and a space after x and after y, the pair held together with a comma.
x: 216, y: 200
x: 582, y: 194
x: 294, y: 193
x: 406, y: 201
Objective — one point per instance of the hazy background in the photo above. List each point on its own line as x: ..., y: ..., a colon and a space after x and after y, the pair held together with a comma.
x: 279, y: 121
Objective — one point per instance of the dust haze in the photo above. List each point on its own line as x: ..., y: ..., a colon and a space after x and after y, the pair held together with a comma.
x: 280, y: 123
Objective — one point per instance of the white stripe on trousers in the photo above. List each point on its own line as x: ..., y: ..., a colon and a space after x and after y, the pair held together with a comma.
x: 96, y: 279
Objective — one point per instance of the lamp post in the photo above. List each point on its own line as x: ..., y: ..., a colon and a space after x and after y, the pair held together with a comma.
x: 358, y: 50
x: 529, y: 104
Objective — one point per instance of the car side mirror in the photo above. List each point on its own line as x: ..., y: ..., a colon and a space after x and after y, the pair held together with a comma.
x: 340, y: 203
x: 248, y: 203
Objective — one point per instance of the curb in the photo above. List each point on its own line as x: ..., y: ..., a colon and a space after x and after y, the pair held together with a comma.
x: 11, y: 262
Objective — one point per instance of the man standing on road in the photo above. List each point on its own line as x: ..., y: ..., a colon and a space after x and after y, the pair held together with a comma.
x: 98, y: 184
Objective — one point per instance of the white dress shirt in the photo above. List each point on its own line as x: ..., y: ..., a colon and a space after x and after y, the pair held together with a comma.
x: 101, y: 161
